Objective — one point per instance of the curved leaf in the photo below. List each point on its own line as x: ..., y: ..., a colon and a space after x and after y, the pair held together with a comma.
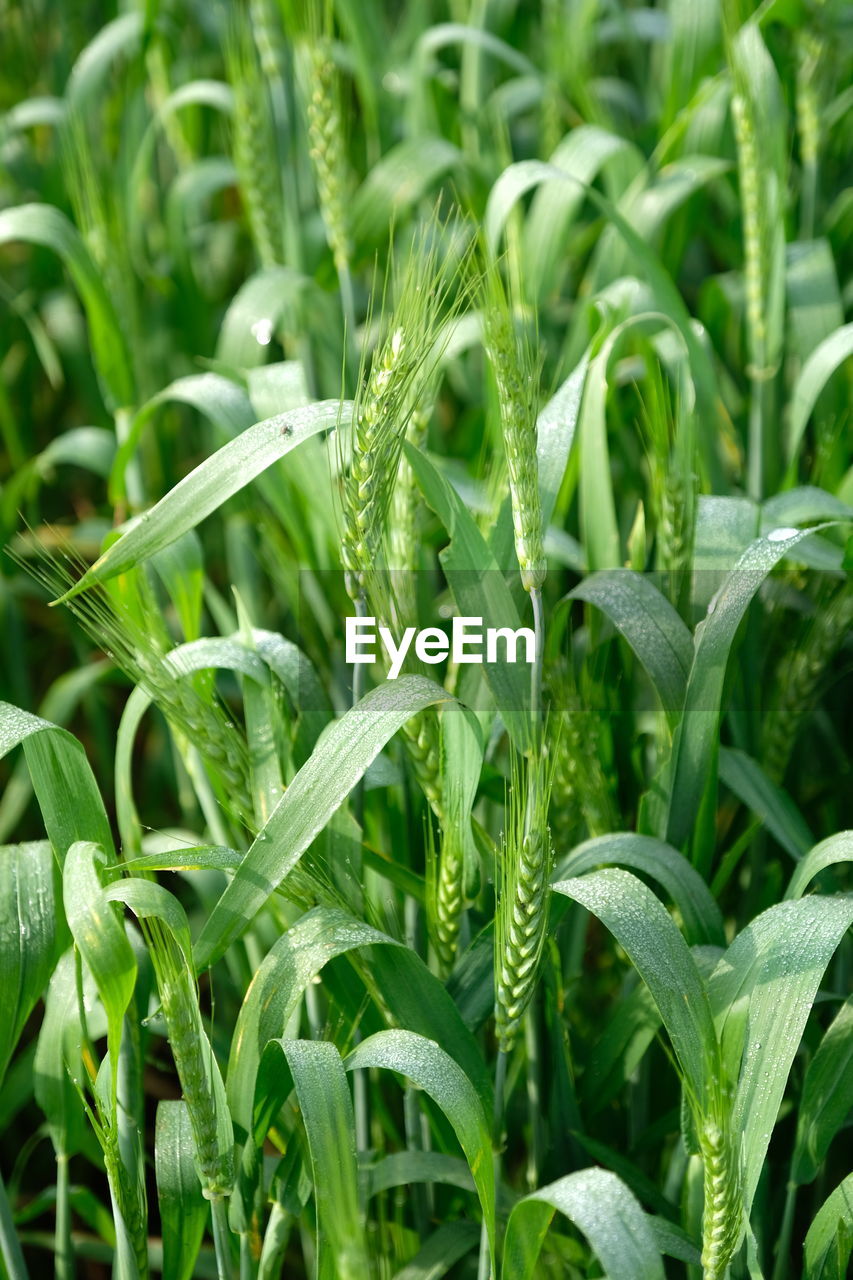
x: 322, y: 1092
x: 703, y: 922
x: 696, y: 736
x: 100, y: 937
x: 761, y: 994
x: 653, y: 629
x: 814, y: 375
x: 598, y: 1204
x: 830, y: 852
x: 428, y: 1066
x: 645, y: 930
x: 745, y: 777
x: 43, y: 225
x: 211, y: 484
x: 829, y: 1240
x: 446, y: 1245
x: 62, y: 779
x: 218, y: 398
x: 397, y: 181
x: 827, y: 1096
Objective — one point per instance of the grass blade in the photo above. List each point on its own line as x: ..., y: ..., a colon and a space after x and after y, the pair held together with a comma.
x: 30, y: 928
x: 826, y: 1098
x: 761, y: 994
x: 41, y: 224
x: 317, y: 1073
x: 646, y: 931
x: 211, y: 484
x: 703, y: 922
x: 183, y: 1211
x: 653, y: 629
x: 598, y: 1204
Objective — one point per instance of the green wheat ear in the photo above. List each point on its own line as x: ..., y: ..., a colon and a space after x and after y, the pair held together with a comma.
x: 449, y: 901
x: 516, y: 377
x: 254, y: 147
x: 179, y: 999
x: 800, y: 673
x: 328, y: 149
x: 524, y: 874
x: 397, y: 384
x: 580, y: 793
x: 722, y: 1213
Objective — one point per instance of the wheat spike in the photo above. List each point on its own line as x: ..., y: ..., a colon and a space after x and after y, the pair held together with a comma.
x: 513, y: 369
x: 189, y: 1045
x: 799, y: 675
x: 327, y: 148
x: 524, y: 887
x: 721, y: 1219
x: 449, y: 902
x: 255, y: 154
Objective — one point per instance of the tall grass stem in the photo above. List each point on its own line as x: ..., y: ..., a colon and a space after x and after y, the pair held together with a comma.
x: 10, y: 1249
x: 221, y: 1238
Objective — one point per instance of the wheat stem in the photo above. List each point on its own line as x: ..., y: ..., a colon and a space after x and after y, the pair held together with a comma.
x: 10, y: 1249
x: 221, y: 1238
x: 63, y: 1249
x: 501, y: 1067
x: 536, y: 1152
x: 536, y: 669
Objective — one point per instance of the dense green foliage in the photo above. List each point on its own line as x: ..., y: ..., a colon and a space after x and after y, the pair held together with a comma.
x: 533, y: 312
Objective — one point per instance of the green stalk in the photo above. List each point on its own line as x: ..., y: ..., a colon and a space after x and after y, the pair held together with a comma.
x: 276, y: 1239
x: 732, y: 857
x: 248, y: 1269
x: 412, y: 1120
x: 534, y: 1080
x: 132, y: 477
x: 483, y: 1270
x: 471, y: 87
x: 361, y: 1107
x: 221, y: 1238
x: 347, y: 300
x: 531, y: 1030
x: 359, y: 1084
x: 411, y: 1108
x: 536, y: 669
x: 783, y: 1244
x: 755, y: 451
x: 312, y: 1010
x: 10, y: 1248
x: 63, y: 1251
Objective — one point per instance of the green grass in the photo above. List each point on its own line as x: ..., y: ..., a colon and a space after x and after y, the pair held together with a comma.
x: 534, y: 313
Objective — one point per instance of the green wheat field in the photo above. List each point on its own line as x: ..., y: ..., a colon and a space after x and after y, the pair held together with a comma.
x: 527, y: 318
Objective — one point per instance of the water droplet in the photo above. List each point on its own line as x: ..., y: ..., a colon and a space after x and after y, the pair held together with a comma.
x: 781, y: 535
x: 262, y: 331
